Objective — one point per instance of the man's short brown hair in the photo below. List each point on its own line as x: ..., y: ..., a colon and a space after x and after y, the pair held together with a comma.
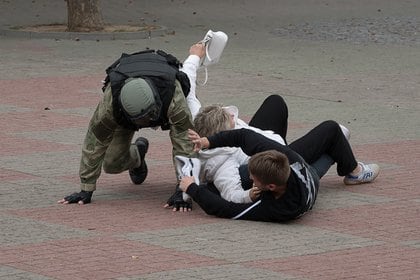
x: 270, y: 167
x: 211, y: 120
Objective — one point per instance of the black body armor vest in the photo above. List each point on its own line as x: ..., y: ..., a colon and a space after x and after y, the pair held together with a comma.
x: 159, y: 68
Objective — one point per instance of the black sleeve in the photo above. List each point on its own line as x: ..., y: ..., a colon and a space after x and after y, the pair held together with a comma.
x: 214, y: 204
x: 250, y: 142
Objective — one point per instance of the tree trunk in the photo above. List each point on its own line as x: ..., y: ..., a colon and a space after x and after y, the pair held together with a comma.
x: 84, y: 16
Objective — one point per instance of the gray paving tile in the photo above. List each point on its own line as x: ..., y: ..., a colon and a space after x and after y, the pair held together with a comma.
x: 231, y: 271
x: 47, y: 164
x: 18, y: 231
x: 412, y: 243
x: 236, y: 241
x: 34, y: 193
x: 9, y: 108
x: 333, y: 198
x: 10, y: 273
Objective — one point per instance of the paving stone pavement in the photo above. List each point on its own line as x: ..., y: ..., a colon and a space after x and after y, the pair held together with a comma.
x: 357, y: 63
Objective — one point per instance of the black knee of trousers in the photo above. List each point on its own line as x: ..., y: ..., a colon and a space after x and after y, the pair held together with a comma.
x: 331, y: 126
x: 275, y: 99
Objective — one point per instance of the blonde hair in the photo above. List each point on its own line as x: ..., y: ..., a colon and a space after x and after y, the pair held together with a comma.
x: 211, y: 120
x: 270, y: 167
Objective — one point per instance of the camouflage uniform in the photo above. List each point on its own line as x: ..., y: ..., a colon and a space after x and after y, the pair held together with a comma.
x: 109, y: 145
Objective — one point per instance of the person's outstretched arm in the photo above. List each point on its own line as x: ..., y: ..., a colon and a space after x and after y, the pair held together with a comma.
x: 215, y: 205
x: 190, y: 67
x: 249, y: 141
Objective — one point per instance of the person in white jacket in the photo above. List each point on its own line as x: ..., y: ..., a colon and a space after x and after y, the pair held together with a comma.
x: 220, y: 166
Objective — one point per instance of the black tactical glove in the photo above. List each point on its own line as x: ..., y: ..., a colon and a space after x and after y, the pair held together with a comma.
x: 83, y: 196
x: 177, y: 202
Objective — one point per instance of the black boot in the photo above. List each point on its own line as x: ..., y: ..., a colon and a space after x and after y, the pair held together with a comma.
x: 139, y: 174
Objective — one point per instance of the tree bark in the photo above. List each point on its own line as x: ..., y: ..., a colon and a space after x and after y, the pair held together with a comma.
x: 84, y: 16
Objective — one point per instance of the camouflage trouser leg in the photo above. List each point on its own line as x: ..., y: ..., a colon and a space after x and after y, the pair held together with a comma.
x: 121, y: 155
x: 106, y: 145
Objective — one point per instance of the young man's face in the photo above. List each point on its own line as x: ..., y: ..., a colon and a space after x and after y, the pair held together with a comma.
x: 258, y: 184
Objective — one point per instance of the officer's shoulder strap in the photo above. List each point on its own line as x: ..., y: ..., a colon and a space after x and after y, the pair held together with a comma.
x: 113, y: 65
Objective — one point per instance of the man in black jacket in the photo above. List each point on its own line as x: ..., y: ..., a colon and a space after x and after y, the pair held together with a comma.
x: 285, y: 178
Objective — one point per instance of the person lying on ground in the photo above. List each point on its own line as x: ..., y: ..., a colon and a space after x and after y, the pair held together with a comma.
x: 285, y: 178
x: 225, y: 168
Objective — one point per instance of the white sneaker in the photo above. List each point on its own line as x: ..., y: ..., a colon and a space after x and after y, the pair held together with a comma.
x: 215, y: 43
x: 368, y: 174
x: 188, y: 167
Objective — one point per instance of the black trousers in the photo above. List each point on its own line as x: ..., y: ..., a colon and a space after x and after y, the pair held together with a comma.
x: 321, y: 147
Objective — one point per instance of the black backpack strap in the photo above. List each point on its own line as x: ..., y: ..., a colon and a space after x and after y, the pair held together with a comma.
x: 172, y: 60
x: 180, y: 76
x: 184, y: 81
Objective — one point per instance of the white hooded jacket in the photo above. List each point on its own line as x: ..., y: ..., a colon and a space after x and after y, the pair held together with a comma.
x: 220, y: 166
